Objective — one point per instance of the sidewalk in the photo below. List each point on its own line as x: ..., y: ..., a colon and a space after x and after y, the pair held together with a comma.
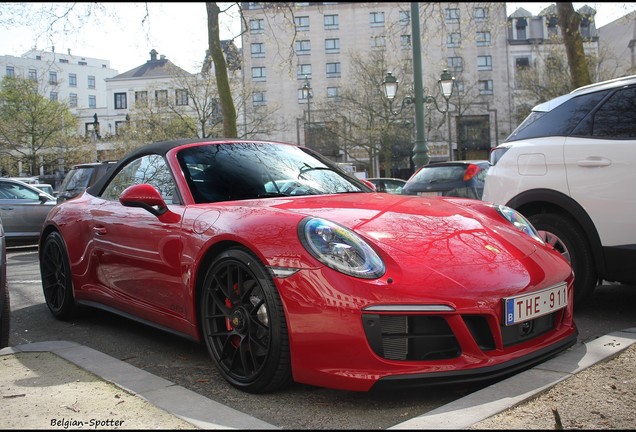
x: 62, y: 385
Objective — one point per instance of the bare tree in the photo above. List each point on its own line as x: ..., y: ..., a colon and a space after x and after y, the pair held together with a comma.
x: 570, y: 23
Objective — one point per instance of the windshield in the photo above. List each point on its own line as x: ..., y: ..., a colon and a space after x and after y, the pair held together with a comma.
x: 233, y: 171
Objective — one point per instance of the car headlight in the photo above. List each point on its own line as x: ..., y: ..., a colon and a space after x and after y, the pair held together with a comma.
x: 340, y: 248
x: 519, y: 221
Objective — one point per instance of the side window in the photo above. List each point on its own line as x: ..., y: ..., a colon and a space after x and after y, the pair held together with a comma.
x: 151, y: 169
x: 616, y: 118
x: 17, y: 192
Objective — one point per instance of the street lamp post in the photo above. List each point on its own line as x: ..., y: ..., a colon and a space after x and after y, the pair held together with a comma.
x: 446, y: 84
x: 307, y: 95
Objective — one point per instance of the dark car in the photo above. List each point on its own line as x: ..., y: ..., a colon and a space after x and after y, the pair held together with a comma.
x: 290, y: 269
x: 388, y: 184
x: 463, y: 179
x: 81, y: 177
x: 23, y: 209
x: 5, y: 306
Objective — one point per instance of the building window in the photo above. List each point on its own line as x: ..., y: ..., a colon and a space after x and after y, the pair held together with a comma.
x: 91, y: 82
x: 333, y: 92
x: 459, y: 85
x: 453, y: 40
x: 53, y: 96
x: 522, y: 63
x: 333, y: 70
x: 378, y: 42
x: 72, y: 100
x: 258, y: 49
x: 141, y: 98
x: 331, y: 22
x: 455, y: 64
x: 63, y: 61
x: 302, y: 70
x: 484, y: 63
x: 92, y: 102
x: 405, y: 41
x: 120, y: 101
x: 552, y: 23
x: 520, y: 26
x: 303, y: 47
x: 33, y: 74
x: 161, y: 97
x: 480, y: 13
x: 405, y: 18
x: 485, y: 87
x: 258, y: 73
x: 52, y: 78
x: 376, y: 19
x: 332, y: 46
x: 302, y: 23
x: 10, y: 71
x: 257, y: 26
x: 258, y: 98
x: 181, y: 96
x: 451, y: 15
x: 483, y: 38
x: 82, y: 63
x: 72, y: 80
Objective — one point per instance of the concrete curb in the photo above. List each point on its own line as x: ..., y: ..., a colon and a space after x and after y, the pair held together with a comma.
x: 478, y: 406
x: 176, y: 400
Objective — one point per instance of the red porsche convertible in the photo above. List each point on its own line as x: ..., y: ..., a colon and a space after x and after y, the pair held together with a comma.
x: 289, y: 269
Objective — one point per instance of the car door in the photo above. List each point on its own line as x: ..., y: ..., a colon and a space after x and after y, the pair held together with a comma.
x: 601, y: 168
x: 138, y: 255
x: 21, y: 210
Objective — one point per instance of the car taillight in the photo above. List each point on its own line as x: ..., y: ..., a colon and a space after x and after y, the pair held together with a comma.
x: 470, y: 172
x: 496, y: 154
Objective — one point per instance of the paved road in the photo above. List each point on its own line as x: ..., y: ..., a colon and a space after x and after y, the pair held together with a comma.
x: 300, y: 407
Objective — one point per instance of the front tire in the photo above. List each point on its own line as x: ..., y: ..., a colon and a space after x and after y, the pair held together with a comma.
x: 57, y: 283
x: 567, y: 238
x: 243, y: 323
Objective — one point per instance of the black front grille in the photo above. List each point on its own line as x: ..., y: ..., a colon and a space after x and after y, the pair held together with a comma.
x: 410, y: 337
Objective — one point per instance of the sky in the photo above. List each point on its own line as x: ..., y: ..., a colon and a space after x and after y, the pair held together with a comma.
x: 121, y: 34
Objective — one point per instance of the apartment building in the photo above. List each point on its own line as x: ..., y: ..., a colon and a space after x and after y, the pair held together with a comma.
x: 481, y: 47
x: 78, y: 80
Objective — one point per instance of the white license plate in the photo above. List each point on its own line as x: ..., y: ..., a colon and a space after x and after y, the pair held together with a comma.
x: 529, y: 306
x: 429, y: 193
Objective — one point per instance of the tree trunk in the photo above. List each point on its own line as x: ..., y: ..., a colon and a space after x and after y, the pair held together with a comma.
x: 569, y: 21
x: 220, y: 71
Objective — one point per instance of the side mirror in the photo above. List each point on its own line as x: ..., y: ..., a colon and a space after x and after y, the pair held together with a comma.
x: 148, y: 198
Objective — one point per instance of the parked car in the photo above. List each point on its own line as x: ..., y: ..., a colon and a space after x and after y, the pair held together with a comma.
x: 5, y: 303
x: 23, y: 209
x: 80, y: 177
x: 570, y: 168
x: 388, y: 184
x: 288, y: 268
x: 463, y: 178
x: 45, y: 187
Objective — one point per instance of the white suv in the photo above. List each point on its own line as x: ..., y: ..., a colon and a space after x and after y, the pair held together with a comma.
x: 570, y: 168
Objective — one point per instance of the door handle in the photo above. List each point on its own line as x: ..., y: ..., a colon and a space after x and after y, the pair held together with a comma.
x: 594, y: 161
x: 99, y: 230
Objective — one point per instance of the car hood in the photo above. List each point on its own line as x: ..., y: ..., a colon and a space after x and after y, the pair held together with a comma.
x: 432, y: 229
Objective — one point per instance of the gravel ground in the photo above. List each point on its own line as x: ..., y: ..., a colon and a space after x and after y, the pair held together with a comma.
x: 600, y: 397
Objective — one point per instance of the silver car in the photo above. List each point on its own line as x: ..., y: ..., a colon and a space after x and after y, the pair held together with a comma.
x: 23, y: 209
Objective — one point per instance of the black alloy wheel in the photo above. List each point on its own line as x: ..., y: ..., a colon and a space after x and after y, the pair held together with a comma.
x: 57, y: 283
x: 243, y: 323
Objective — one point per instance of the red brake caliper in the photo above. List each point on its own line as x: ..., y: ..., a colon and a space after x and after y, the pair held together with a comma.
x: 236, y: 339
